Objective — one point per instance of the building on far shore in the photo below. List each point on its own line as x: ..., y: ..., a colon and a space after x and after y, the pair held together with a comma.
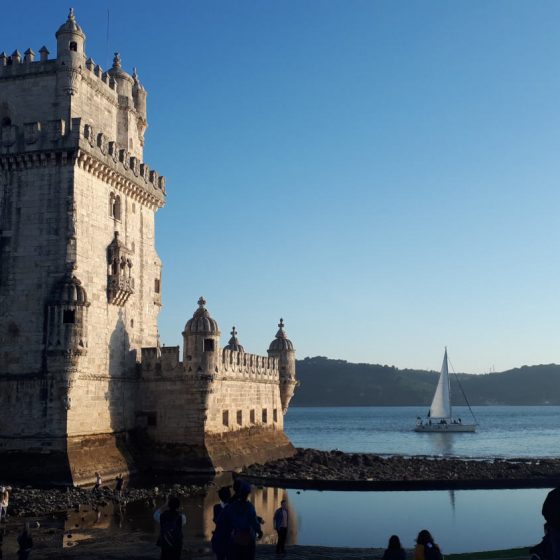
x: 84, y: 383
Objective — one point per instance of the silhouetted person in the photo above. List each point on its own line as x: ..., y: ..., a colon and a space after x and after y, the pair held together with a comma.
x: 220, y: 538
x: 543, y: 550
x: 119, y: 485
x: 426, y: 548
x: 281, y: 526
x: 25, y: 543
x: 394, y: 550
x: 551, y: 513
x: 171, y: 522
x: 239, y: 519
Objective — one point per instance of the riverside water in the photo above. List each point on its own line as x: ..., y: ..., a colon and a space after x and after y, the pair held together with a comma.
x: 461, y: 520
x: 504, y: 431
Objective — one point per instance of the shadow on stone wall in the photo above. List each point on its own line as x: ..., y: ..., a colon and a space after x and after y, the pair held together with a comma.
x: 120, y: 399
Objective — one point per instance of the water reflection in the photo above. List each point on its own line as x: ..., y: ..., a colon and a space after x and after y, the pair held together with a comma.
x: 461, y: 520
x: 86, y: 523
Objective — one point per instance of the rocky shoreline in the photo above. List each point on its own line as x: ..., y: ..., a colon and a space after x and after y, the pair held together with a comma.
x: 34, y: 502
x: 322, y: 470
x: 336, y: 470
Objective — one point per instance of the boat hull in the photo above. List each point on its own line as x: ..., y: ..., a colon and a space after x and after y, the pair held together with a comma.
x: 445, y: 428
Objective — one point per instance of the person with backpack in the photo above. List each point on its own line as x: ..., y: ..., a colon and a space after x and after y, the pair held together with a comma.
x: 426, y: 548
x: 171, y: 522
x: 239, y: 521
x: 394, y: 551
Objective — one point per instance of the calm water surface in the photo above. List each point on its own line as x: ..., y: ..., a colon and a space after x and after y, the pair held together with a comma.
x: 461, y: 520
x: 504, y: 431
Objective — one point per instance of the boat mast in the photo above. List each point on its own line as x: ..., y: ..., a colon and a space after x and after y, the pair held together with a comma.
x: 448, y: 383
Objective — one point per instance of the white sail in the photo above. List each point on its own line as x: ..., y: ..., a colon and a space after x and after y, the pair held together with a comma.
x: 441, y: 405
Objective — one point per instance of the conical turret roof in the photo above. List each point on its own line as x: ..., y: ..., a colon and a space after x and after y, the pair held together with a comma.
x: 281, y: 342
x: 201, y: 322
x: 233, y: 343
x: 70, y: 26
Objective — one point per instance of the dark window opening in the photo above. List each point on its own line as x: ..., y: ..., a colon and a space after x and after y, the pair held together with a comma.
x: 225, y: 418
x: 152, y: 419
x: 73, y: 46
x: 275, y: 415
x: 208, y: 345
x: 264, y: 416
x: 115, y: 206
x: 252, y: 416
x: 240, y: 417
x: 131, y: 322
x: 157, y: 285
x: 6, y: 121
x: 68, y: 316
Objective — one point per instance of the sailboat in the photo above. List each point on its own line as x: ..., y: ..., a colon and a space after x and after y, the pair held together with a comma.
x: 440, y: 418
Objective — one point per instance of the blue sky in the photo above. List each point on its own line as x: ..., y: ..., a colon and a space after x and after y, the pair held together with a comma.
x: 382, y: 174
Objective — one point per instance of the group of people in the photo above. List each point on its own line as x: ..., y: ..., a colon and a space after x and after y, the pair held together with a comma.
x: 237, y: 525
x: 426, y: 548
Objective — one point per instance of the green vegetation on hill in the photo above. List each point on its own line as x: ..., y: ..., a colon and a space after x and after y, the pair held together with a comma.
x: 326, y: 382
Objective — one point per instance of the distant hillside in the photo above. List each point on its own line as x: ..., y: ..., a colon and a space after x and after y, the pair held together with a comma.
x: 325, y: 382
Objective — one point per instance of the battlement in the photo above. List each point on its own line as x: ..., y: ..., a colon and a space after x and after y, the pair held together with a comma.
x: 160, y: 360
x: 234, y: 365
x: 249, y: 366
x: 26, y: 145
x: 18, y: 65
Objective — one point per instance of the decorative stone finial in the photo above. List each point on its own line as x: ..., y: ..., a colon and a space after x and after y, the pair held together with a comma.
x: 233, y: 332
x: 135, y: 74
x: 201, y: 302
x: 71, y: 14
x: 281, y: 323
x: 117, y: 60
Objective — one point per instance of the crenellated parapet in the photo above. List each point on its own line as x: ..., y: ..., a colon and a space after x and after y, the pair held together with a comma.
x: 161, y: 362
x: 250, y: 367
x: 15, y: 65
x: 38, y: 144
x: 164, y: 362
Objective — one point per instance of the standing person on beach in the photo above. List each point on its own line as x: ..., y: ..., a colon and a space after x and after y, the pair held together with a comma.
x: 119, y: 485
x: 4, y: 502
x: 25, y: 543
x: 220, y: 537
x: 281, y: 526
x: 171, y: 522
x: 426, y: 548
x: 551, y: 513
x: 394, y: 551
x: 98, y: 482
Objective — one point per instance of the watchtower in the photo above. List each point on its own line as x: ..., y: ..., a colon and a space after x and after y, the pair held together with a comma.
x: 80, y: 278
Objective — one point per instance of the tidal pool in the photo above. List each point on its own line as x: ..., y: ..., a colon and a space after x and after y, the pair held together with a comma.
x: 460, y: 520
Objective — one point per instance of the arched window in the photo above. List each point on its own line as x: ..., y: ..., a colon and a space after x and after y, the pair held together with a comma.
x: 73, y: 46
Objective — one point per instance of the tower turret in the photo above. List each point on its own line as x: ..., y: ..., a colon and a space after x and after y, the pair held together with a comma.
x: 124, y: 79
x: 201, y: 342
x: 70, y: 42
x: 233, y: 343
x: 283, y: 349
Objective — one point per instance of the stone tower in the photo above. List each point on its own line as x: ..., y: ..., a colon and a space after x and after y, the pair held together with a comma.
x: 80, y: 279
x: 283, y: 349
